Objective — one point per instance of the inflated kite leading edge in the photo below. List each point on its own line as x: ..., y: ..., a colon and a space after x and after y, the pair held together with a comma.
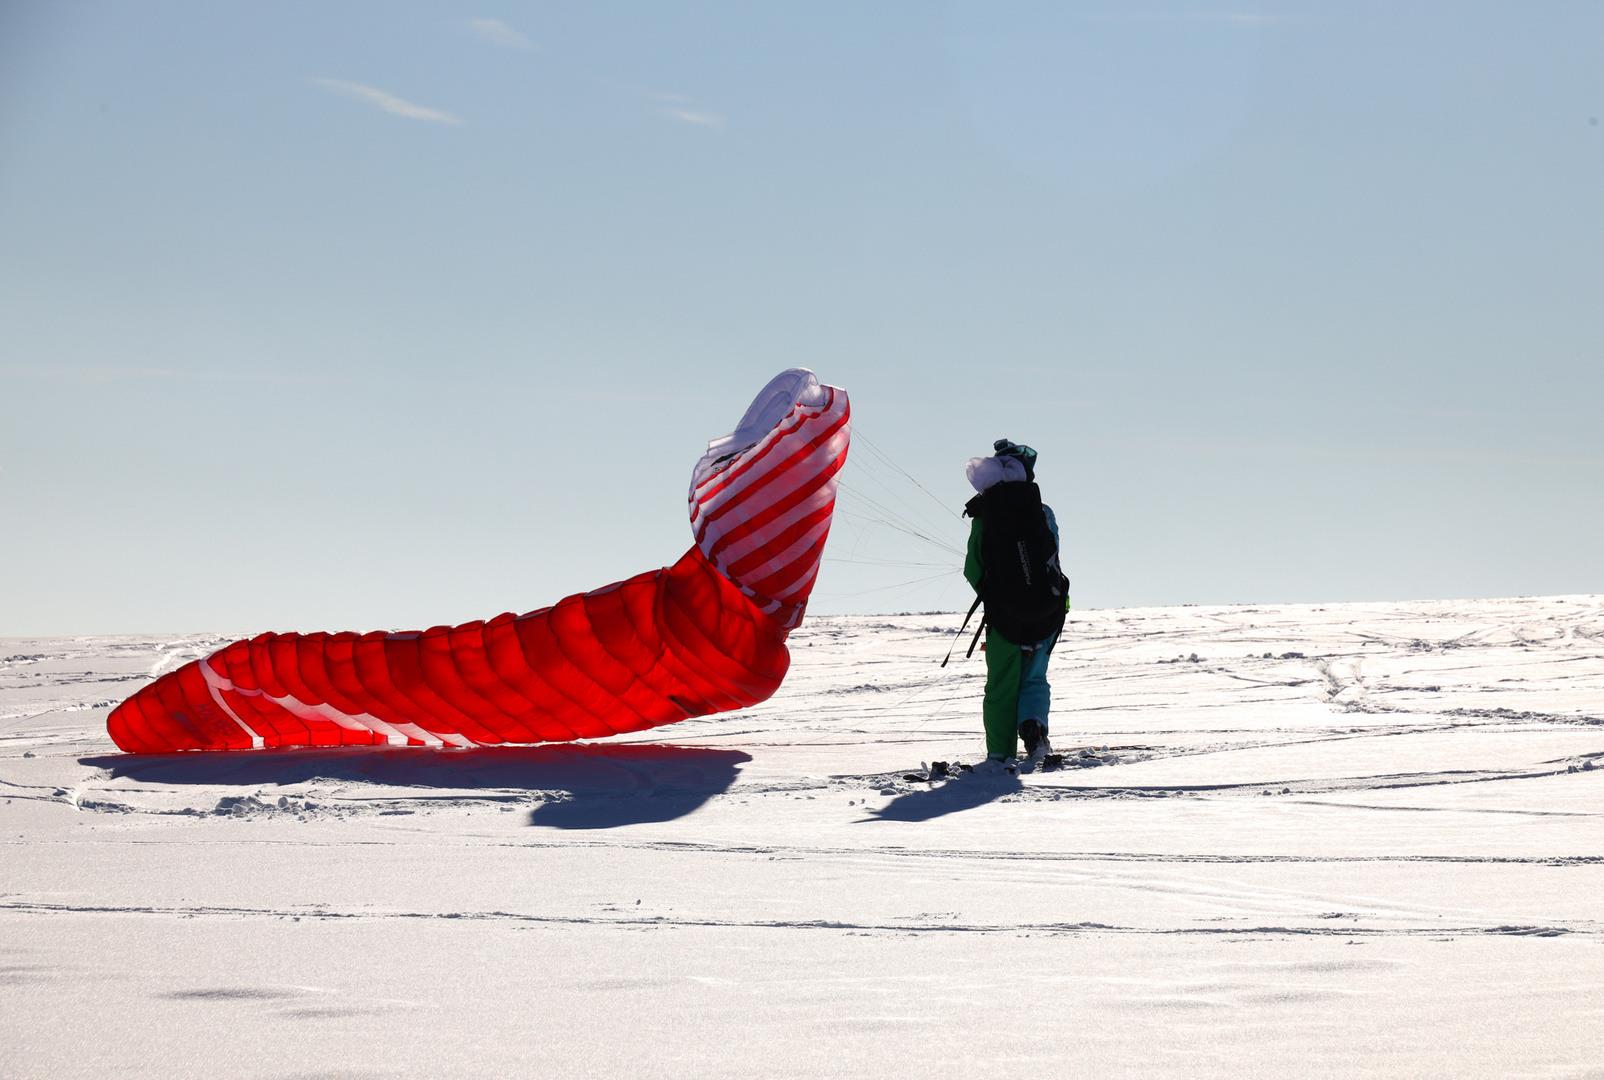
x: 702, y: 636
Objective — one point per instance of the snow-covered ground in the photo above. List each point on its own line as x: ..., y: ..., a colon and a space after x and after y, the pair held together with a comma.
x: 1341, y: 840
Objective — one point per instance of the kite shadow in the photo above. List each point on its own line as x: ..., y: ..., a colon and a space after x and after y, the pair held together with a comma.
x: 948, y: 798
x: 588, y: 785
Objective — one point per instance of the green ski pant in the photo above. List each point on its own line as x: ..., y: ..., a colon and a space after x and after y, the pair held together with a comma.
x: 1010, y: 669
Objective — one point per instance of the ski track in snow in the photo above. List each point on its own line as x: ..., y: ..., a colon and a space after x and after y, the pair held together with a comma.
x: 1248, y: 792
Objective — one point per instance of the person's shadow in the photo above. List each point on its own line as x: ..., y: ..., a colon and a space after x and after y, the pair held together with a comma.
x: 607, y: 784
x: 947, y: 798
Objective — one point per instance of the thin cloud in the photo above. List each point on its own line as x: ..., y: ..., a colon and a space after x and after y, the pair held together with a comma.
x: 1244, y: 18
x: 1241, y: 18
x: 499, y: 33
x: 706, y: 119
x: 1263, y: 450
x: 105, y: 374
x: 386, y: 101
x: 677, y: 107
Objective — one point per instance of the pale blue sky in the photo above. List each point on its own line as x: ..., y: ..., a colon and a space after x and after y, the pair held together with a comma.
x: 364, y: 315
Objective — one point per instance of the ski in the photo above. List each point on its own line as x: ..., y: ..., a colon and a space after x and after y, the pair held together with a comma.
x: 1074, y: 757
x: 939, y: 770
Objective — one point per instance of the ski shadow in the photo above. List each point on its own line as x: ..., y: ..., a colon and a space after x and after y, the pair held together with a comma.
x: 606, y: 785
x: 948, y: 798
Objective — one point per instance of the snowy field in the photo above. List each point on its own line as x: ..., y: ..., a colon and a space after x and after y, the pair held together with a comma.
x: 1342, y: 840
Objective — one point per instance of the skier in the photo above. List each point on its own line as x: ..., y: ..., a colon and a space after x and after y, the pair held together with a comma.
x: 1013, y: 566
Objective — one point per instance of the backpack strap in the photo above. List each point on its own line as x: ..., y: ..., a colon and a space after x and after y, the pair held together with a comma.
x: 961, y: 630
x: 976, y: 640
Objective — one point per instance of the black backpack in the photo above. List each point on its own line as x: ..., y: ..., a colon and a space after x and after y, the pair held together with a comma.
x: 1021, y: 585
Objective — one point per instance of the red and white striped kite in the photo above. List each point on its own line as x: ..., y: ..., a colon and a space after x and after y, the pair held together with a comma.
x: 702, y: 636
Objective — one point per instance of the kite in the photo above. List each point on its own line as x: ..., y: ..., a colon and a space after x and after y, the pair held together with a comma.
x: 705, y: 635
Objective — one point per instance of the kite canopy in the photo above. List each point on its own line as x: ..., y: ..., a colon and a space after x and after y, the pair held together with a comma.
x: 703, y: 636
x: 762, y: 496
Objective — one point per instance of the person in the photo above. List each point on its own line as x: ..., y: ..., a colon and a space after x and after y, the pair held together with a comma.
x: 1013, y: 565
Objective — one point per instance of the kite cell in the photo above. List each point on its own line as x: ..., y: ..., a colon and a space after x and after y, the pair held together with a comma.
x: 702, y: 636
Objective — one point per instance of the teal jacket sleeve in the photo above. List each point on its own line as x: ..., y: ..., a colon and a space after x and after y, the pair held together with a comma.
x: 1052, y: 523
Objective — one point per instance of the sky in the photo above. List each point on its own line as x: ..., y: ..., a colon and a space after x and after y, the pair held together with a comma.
x: 351, y: 315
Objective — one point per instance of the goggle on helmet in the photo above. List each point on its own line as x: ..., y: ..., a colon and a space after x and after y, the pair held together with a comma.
x: 1026, y: 456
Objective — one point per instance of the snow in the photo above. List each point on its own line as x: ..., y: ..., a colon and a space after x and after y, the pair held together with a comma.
x: 1375, y: 851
